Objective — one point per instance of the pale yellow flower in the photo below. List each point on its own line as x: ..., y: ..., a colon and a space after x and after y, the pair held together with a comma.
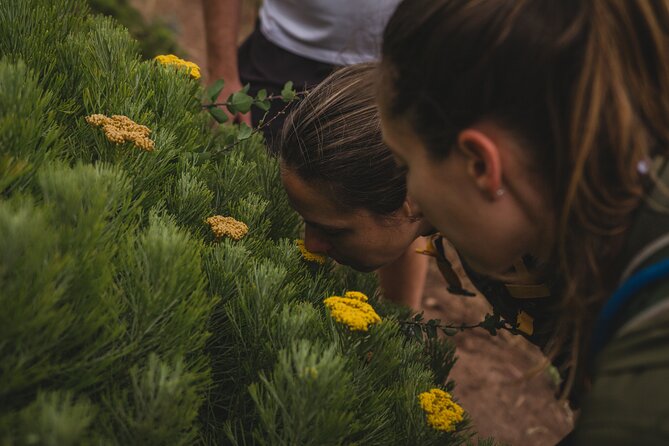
x: 120, y: 129
x: 227, y: 227
x: 308, y: 255
x: 171, y: 59
x: 353, y: 312
x: 442, y: 412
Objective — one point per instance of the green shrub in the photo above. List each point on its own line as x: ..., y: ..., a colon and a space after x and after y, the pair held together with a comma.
x: 155, y: 37
x: 124, y: 321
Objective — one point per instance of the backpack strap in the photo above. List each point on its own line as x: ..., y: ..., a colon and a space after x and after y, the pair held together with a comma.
x: 650, y: 314
x: 641, y: 344
x: 605, y: 326
x: 435, y: 248
x: 649, y: 236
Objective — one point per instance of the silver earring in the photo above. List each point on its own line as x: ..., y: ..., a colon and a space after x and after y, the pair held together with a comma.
x: 643, y: 166
x: 499, y: 192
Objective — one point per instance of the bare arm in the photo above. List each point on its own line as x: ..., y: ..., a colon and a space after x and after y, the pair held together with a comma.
x: 403, y: 281
x: 221, y: 22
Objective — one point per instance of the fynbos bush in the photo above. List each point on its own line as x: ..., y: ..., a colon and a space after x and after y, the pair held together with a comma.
x: 125, y: 319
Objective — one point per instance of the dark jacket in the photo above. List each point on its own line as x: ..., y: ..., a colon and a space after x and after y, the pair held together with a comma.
x: 628, y: 403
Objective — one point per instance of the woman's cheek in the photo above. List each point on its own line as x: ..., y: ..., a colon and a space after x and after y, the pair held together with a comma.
x: 411, y: 186
x: 416, y: 189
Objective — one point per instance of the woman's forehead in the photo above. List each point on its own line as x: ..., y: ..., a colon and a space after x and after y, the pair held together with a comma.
x: 312, y: 200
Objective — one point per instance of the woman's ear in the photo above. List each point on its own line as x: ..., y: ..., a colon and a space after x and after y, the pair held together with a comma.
x: 483, y: 161
x: 411, y: 210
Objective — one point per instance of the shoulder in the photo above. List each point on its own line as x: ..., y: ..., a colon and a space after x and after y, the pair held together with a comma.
x: 629, y: 399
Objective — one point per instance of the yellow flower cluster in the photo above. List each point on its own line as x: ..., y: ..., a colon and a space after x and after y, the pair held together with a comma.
x: 352, y: 310
x: 308, y: 255
x: 171, y: 59
x: 442, y: 412
x: 120, y: 129
x: 227, y: 227
x: 357, y: 295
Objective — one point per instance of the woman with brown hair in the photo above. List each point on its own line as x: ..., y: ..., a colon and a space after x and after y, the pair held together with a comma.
x: 541, y: 127
x: 342, y: 180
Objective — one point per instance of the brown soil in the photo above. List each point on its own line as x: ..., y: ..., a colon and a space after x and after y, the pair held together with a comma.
x: 499, y: 379
x: 493, y: 373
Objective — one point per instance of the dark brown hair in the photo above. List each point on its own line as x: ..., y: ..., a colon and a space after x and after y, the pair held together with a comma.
x: 333, y: 138
x: 584, y: 83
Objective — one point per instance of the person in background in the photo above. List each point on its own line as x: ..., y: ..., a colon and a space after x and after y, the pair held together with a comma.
x: 299, y: 41
x: 542, y: 128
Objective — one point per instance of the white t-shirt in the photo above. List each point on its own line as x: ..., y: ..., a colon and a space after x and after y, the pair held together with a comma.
x: 339, y: 32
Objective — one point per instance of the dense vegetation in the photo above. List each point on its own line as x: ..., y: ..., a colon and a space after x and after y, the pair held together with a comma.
x: 125, y: 320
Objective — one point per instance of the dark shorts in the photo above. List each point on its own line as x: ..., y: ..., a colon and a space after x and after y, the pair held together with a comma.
x: 262, y: 64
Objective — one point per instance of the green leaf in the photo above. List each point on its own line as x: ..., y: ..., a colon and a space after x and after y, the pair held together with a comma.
x: 418, y: 317
x: 246, y: 88
x: 431, y: 331
x: 244, y: 132
x: 240, y: 102
x: 449, y: 331
x: 215, y: 89
x: 431, y: 328
x: 417, y: 332
x: 288, y: 93
x: 263, y: 105
x: 490, y: 323
x: 262, y: 95
x: 218, y: 114
x: 231, y: 108
x: 230, y: 139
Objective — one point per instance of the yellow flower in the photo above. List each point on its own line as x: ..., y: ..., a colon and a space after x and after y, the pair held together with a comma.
x: 171, y: 59
x: 442, y: 412
x: 227, y: 227
x: 120, y: 129
x: 352, y: 310
x: 308, y: 255
x: 356, y: 295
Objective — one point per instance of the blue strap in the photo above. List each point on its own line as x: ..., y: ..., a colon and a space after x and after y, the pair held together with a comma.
x: 604, y: 326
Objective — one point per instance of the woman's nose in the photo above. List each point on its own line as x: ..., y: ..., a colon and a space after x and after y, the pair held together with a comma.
x: 315, y: 242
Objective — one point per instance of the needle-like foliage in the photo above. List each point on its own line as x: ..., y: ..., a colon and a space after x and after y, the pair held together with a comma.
x: 123, y: 319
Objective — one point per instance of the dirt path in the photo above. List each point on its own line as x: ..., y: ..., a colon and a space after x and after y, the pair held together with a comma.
x: 494, y: 374
x: 491, y: 372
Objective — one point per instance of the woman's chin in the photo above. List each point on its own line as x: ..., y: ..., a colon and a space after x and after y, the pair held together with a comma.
x: 485, y: 268
x: 362, y: 268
